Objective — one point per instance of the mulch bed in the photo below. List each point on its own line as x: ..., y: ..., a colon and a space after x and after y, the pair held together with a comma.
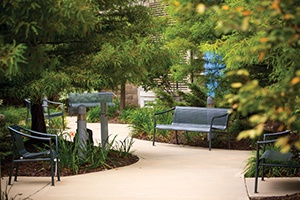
x: 43, y: 168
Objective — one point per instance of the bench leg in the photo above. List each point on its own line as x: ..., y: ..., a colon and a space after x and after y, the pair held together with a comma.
x: 153, y: 143
x: 176, y: 136
x: 209, y: 140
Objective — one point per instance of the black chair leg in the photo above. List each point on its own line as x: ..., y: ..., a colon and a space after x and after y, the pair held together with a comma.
x: 57, y: 169
x: 176, y: 136
x: 256, y: 176
x: 52, y: 172
x: 263, y: 173
x: 10, y: 173
x: 63, y: 123
x: 17, y: 171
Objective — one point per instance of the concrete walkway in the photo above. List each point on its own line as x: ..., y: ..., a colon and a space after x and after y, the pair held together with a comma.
x: 164, y: 171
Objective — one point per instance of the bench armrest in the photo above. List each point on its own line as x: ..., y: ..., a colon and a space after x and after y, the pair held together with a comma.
x: 217, y: 117
x: 160, y: 113
x: 165, y: 111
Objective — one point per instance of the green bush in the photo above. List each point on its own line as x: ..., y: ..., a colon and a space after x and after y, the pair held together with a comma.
x: 124, y: 115
x: 12, y: 115
x: 93, y: 115
x: 92, y: 156
x: 141, y: 120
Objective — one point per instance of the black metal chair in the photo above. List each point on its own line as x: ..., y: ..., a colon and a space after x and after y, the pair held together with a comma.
x: 20, y: 153
x: 48, y: 114
x: 271, y: 157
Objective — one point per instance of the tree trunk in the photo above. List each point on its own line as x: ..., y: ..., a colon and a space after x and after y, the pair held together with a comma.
x: 37, y: 117
x: 123, y: 97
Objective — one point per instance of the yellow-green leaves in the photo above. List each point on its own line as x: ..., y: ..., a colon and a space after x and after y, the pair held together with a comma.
x: 252, y: 133
x: 236, y: 85
x: 283, y: 143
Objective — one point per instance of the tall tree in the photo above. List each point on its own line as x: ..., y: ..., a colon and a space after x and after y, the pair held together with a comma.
x: 72, y: 45
x: 32, y: 31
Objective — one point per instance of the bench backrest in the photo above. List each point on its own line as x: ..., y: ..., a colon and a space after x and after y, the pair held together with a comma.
x: 200, y: 115
x: 95, y: 97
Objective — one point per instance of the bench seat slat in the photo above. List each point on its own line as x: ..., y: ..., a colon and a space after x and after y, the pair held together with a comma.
x: 189, y: 127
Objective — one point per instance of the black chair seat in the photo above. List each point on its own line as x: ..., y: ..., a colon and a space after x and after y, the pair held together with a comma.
x: 276, y: 155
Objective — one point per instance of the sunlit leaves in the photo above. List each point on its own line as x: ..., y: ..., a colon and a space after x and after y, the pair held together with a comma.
x: 11, y: 56
x: 283, y: 142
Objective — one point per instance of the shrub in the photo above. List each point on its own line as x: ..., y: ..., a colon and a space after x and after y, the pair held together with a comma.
x: 93, y: 115
x: 141, y: 120
x: 12, y: 115
x: 74, y: 158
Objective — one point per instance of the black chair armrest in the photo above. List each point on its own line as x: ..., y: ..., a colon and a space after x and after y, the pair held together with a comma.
x: 52, y: 102
x: 276, y: 135
x: 37, y: 135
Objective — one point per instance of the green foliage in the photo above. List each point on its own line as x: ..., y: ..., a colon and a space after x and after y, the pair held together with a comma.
x: 93, y: 114
x: 197, y: 97
x: 74, y: 158
x: 238, y: 125
x: 12, y: 115
x: 126, y: 112
x: 259, y: 43
x: 69, y: 154
x: 166, y: 99
x: 12, y: 55
x: 123, y: 147
x: 141, y: 120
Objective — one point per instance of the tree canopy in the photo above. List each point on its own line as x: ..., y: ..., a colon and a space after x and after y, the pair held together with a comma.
x: 259, y: 44
x: 54, y: 47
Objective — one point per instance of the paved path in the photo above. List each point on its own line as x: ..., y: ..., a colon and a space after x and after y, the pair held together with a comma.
x: 164, y: 171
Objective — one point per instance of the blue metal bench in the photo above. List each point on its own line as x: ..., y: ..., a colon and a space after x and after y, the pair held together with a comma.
x: 196, y: 119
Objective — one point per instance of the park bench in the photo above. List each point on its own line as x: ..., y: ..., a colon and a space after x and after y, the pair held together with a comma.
x: 196, y: 119
x: 51, y: 110
x: 20, y: 154
x: 268, y: 156
x: 89, y: 100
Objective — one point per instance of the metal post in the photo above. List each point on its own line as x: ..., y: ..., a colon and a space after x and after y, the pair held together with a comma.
x: 210, y: 102
x: 104, y: 125
x: 81, y: 130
